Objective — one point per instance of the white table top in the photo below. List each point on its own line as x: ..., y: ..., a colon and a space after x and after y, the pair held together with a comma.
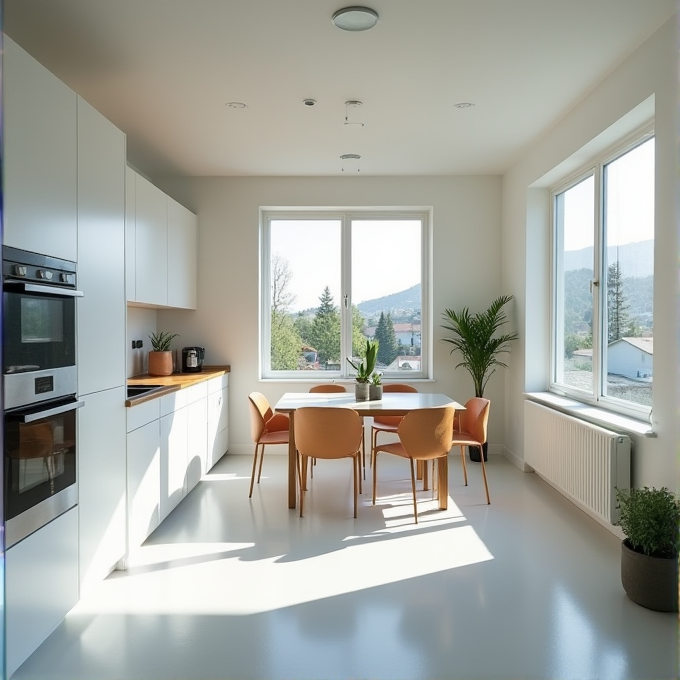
x: 392, y: 403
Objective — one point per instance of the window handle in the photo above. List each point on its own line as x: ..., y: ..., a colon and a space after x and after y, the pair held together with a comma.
x: 593, y: 282
x: 346, y: 301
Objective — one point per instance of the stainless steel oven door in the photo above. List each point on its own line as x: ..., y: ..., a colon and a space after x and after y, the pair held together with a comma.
x: 40, y: 466
x: 39, y: 342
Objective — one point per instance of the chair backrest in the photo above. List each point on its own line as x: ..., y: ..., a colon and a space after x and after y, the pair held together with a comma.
x: 394, y: 387
x: 398, y: 387
x: 328, y: 387
x: 426, y: 433
x: 475, y: 417
x: 327, y: 431
x: 260, y: 413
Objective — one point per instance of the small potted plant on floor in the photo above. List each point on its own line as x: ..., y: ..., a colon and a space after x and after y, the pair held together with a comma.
x: 649, y: 555
x: 475, y: 337
x: 375, y: 388
x: 160, y: 356
x: 364, y: 369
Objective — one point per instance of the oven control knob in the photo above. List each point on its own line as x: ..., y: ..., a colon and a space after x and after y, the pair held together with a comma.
x: 19, y: 270
x: 65, y: 278
x: 44, y: 274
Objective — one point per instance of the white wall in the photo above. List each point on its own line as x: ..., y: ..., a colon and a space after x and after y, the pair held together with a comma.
x: 141, y: 323
x: 646, y: 80
x: 466, y: 267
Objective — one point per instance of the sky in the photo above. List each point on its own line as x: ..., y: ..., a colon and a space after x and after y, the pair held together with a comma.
x: 630, y: 205
x: 386, y: 257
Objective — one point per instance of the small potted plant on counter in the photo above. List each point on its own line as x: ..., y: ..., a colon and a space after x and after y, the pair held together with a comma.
x: 649, y: 555
x: 160, y: 356
x: 364, y: 370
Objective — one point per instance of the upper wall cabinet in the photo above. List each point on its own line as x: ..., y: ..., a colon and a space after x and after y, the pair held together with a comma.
x: 40, y: 124
x: 161, y: 248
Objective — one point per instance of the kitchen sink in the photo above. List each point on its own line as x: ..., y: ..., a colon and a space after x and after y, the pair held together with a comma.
x: 139, y: 390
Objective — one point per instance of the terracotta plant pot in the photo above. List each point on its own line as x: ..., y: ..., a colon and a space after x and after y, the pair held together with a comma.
x: 361, y: 391
x: 160, y: 363
x: 651, y: 582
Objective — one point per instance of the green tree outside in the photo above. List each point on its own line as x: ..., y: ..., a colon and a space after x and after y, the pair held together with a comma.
x: 286, y: 344
x: 618, y: 317
x: 388, y: 347
x: 325, y: 331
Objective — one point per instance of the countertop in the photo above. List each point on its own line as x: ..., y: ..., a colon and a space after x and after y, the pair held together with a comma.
x: 172, y: 383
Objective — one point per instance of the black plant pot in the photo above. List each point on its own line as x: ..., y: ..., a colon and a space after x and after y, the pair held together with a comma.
x: 475, y: 455
x: 651, y: 582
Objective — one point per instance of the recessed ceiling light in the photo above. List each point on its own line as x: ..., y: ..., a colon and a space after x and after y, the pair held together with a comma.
x: 355, y: 18
x: 309, y: 102
x: 463, y: 105
x: 237, y: 105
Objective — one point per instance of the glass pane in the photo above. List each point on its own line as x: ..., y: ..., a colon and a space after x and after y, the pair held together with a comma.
x: 629, y: 262
x: 386, y: 291
x: 305, y: 294
x: 575, y: 233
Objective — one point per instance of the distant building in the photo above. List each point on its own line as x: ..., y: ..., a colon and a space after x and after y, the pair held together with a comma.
x: 631, y: 357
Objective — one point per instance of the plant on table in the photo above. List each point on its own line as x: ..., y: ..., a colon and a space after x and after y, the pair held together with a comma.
x: 366, y: 366
x: 160, y: 342
x: 160, y: 356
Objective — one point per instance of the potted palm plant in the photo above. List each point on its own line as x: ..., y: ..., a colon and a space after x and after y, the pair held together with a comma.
x: 650, y: 518
x: 364, y: 369
x: 160, y: 356
x: 475, y: 337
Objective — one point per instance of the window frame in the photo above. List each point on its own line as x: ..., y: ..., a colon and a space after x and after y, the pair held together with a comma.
x: 595, y: 168
x: 345, y: 216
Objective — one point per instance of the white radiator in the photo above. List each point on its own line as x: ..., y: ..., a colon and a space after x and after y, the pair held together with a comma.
x: 584, y: 462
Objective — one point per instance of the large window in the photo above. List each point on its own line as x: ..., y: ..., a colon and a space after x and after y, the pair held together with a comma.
x: 330, y: 280
x: 603, y: 280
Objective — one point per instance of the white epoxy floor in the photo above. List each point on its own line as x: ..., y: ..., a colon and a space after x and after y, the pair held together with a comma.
x: 525, y: 588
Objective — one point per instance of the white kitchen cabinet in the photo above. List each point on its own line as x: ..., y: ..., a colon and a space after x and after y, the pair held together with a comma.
x: 197, y: 430
x: 151, y: 244
x: 130, y: 233
x: 182, y: 254
x: 40, y: 157
x: 161, y: 249
x: 101, y: 484
x: 143, y: 472
x: 174, y: 440
x: 218, y: 418
x: 41, y: 586
x: 101, y: 252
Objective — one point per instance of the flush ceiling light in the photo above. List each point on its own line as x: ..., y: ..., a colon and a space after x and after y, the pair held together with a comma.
x: 236, y: 105
x: 352, y: 104
x: 350, y: 162
x: 463, y: 105
x: 355, y: 18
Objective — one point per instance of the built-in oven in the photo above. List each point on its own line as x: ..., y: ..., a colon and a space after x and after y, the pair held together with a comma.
x: 39, y: 330
x: 40, y: 390
x: 40, y: 465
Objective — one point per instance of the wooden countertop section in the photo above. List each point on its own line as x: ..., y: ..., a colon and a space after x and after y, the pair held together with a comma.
x: 172, y: 383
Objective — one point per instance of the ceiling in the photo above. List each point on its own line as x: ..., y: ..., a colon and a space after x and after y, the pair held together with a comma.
x: 164, y: 70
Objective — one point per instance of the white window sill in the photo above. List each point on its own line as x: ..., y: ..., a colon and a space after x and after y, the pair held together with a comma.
x: 592, y: 414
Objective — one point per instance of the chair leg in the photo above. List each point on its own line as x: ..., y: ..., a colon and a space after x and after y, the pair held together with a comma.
x: 356, y: 468
x: 374, y: 455
x: 302, y: 465
x: 413, y: 488
x: 252, y: 476
x: 443, y: 482
x: 486, y: 486
x: 259, y: 471
x: 462, y: 457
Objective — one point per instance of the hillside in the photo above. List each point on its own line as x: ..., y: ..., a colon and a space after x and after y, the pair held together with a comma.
x: 636, y: 259
x: 402, y: 304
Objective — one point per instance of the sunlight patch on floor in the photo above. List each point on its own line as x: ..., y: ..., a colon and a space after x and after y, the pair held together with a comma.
x: 260, y: 585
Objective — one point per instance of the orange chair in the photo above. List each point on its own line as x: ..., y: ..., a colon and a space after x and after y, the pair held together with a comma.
x: 266, y: 427
x: 327, y: 432
x: 424, y: 435
x: 387, y: 423
x: 472, y: 432
x: 328, y: 387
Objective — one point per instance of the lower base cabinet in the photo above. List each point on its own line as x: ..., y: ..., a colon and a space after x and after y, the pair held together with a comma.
x: 41, y: 586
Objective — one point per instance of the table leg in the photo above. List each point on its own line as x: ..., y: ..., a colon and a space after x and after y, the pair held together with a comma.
x: 292, y: 462
x: 443, y: 482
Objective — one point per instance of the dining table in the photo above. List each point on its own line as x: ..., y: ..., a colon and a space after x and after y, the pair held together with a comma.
x: 391, y: 404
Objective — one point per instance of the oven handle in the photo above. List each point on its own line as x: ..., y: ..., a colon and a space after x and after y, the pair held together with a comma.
x: 47, y: 290
x: 48, y: 413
